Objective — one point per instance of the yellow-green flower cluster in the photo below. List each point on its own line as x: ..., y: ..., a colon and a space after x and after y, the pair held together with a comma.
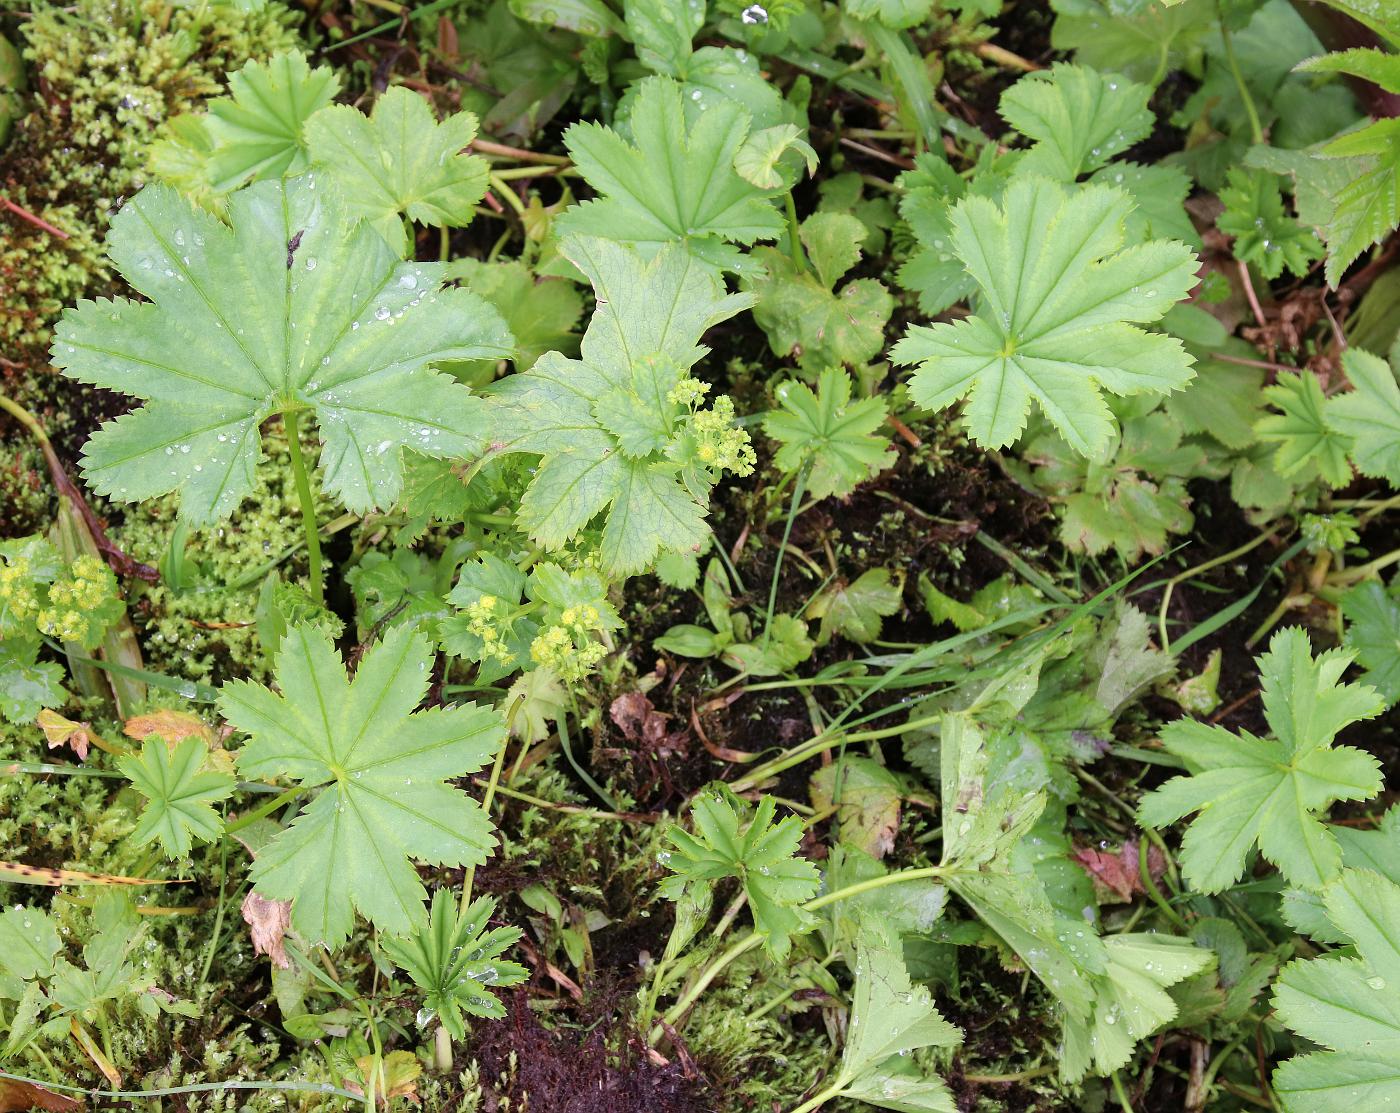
x: 569, y: 647
x: 77, y: 600
x: 689, y: 392
x: 719, y: 444
x: 17, y: 594
x: 485, y: 617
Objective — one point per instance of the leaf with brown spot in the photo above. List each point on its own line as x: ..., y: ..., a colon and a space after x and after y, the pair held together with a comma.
x: 17, y: 1096
x: 18, y: 873
x: 268, y: 922
x: 173, y: 726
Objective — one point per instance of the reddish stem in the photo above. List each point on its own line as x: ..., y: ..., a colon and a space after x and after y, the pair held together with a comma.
x: 37, y: 221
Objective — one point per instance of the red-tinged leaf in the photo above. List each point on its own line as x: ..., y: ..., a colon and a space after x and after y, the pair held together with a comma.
x: 17, y: 1096
x: 1116, y: 874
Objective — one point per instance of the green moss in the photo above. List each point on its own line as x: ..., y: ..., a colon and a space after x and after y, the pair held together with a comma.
x: 205, y: 633
x: 107, y: 74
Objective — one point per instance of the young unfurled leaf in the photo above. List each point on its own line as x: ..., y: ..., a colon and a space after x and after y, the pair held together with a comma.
x: 1249, y: 789
x: 829, y: 432
x: 760, y: 161
x: 256, y: 131
x: 457, y: 962
x: 180, y: 790
x: 399, y: 161
x: 1131, y: 1000
x: 1059, y: 295
x: 855, y: 610
x: 620, y: 430
x: 1369, y: 413
x: 674, y: 182
x: 802, y: 312
x: 295, y: 306
x: 1079, y: 118
x: 1265, y: 235
x: 1307, y: 445
x: 381, y: 768
x: 1346, y: 1005
x: 1373, y: 634
x: 763, y: 858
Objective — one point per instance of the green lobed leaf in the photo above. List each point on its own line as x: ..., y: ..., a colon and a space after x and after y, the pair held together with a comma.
x: 613, y: 443
x: 673, y: 182
x: 1373, y: 634
x: 1265, y: 235
x: 1079, y: 118
x: 826, y: 431
x: 1058, y: 294
x: 457, y: 962
x: 382, y: 770
x: 1248, y: 790
x: 255, y: 132
x: 1307, y: 445
x: 890, y: 1017
x: 399, y: 161
x: 1369, y: 414
x: 1346, y: 1005
x: 295, y: 306
x: 180, y: 791
x: 763, y: 857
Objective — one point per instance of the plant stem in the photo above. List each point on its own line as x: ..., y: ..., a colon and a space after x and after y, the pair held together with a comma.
x: 291, y: 420
x: 794, y: 241
x: 778, y: 562
x: 753, y: 939
x: 820, y: 1099
x: 265, y: 810
x: 1255, y: 127
x: 486, y: 802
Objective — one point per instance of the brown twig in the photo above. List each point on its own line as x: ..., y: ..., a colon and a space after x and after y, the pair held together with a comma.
x: 37, y: 221
x: 1250, y: 294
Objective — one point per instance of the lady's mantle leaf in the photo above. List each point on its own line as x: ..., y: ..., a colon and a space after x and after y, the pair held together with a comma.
x: 400, y: 160
x: 763, y: 858
x: 1057, y: 296
x: 179, y: 790
x: 614, y: 438
x: 1249, y: 789
x: 457, y: 962
x: 1079, y: 118
x: 255, y: 132
x: 383, y: 766
x: 295, y: 306
x: 674, y: 182
x: 825, y: 429
x: 1348, y: 1005
x: 1369, y: 412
